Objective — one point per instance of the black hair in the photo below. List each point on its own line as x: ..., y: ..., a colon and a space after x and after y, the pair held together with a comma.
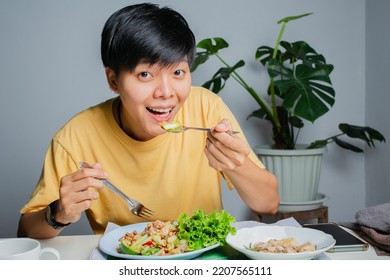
x: 145, y: 33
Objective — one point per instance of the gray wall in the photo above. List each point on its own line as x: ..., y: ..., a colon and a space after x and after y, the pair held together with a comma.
x: 51, y: 69
x: 378, y: 99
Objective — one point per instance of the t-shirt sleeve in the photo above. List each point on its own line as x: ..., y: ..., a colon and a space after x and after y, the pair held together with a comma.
x: 57, y: 163
x: 224, y: 112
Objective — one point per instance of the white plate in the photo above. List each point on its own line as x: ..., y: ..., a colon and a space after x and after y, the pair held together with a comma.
x: 110, y: 241
x: 304, y: 205
x: 245, y: 236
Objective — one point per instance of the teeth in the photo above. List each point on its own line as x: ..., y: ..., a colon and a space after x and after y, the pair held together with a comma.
x: 160, y: 110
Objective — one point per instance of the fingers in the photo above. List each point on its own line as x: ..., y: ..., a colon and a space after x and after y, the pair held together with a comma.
x: 223, y: 140
x: 82, y: 184
x: 94, y: 171
x: 223, y: 126
x: 78, y: 191
x: 225, y: 150
x: 222, y: 158
x: 70, y: 211
x: 70, y: 194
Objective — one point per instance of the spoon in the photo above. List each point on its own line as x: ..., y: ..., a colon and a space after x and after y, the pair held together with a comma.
x: 176, y: 127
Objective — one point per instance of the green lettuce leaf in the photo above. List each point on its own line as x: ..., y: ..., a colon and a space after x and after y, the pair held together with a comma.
x: 202, y: 230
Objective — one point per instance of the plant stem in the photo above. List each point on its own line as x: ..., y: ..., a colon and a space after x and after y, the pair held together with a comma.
x: 332, y: 137
x: 272, y: 87
x: 252, y: 92
x: 279, y: 39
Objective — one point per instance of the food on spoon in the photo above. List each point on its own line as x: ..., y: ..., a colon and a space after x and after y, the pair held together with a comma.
x: 285, y: 245
x: 174, y: 126
x: 189, y: 233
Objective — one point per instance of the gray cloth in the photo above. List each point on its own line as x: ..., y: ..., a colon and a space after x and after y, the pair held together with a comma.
x: 376, y: 217
x: 380, y: 241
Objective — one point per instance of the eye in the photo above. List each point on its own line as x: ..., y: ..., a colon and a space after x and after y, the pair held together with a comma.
x: 145, y: 75
x: 179, y: 73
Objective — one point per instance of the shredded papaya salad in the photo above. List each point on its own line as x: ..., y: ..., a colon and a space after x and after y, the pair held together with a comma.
x: 187, y: 234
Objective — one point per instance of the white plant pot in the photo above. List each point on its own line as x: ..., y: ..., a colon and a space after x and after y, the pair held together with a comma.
x: 298, y: 171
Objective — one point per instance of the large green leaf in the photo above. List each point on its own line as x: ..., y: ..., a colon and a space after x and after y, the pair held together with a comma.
x: 264, y: 54
x: 300, y: 51
x: 290, y: 18
x: 305, y: 93
x: 218, y: 81
x: 301, y: 78
x: 290, y: 52
x: 347, y: 146
x: 259, y: 113
x: 200, y: 58
x: 365, y: 133
x: 212, y: 45
x: 318, y: 144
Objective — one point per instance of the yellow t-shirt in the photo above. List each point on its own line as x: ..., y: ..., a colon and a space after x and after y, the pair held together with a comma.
x: 169, y: 174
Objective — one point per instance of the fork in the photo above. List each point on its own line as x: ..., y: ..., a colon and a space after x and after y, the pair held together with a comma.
x: 135, y: 207
x: 184, y: 128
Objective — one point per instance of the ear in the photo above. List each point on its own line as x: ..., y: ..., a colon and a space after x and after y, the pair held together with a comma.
x: 111, y: 79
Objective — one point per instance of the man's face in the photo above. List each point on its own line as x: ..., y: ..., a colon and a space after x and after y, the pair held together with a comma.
x: 152, y: 94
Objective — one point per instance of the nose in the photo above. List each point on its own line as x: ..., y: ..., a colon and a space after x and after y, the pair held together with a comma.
x: 164, y: 88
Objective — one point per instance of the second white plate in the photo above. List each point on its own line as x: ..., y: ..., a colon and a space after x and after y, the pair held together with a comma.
x: 246, y: 236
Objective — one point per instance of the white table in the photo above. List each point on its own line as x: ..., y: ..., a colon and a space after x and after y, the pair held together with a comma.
x: 80, y: 247
x: 73, y: 247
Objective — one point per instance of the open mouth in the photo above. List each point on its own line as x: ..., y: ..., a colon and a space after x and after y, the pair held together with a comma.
x: 160, y: 114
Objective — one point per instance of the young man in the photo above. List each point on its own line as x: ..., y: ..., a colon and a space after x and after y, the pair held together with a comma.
x: 147, y: 52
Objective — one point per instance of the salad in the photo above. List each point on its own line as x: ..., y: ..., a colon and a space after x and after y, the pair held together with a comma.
x: 159, y: 238
x: 187, y: 234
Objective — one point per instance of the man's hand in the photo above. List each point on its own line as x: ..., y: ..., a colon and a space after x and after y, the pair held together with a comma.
x: 78, y: 191
x: 225, y: 150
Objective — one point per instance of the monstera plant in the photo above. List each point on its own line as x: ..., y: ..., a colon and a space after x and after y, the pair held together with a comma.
x: 300, y: 88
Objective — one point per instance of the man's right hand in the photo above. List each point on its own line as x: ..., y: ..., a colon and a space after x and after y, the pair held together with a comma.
x: 78, y: 191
